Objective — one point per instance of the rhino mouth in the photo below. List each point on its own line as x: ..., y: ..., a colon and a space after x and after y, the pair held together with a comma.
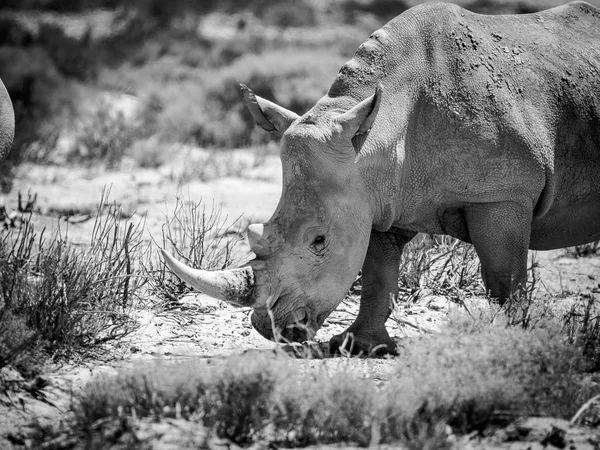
x: 295, y: 327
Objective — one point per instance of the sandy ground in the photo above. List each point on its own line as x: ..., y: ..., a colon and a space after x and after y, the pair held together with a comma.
x: 200, y: 327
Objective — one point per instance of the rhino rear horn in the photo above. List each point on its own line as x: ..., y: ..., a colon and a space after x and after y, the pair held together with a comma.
x: 234, y: 286
x: 264, y: 239
x: 268, y: 115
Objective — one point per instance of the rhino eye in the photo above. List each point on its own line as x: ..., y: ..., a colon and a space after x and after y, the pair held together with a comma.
x: 318, y: 244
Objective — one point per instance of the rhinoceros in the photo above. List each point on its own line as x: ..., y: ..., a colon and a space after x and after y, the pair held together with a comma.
x: 484, y: 128
x: 7, y: 122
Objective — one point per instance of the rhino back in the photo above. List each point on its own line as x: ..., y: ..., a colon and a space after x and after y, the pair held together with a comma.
x: 511, y: 110
x: 480, y: 108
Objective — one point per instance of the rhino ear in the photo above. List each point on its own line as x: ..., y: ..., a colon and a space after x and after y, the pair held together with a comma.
x: 268, y: 115
x: 359, y: 119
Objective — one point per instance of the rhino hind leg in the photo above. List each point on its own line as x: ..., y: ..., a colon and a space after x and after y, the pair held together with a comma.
x: 379, y: 285
x: 500, y: 233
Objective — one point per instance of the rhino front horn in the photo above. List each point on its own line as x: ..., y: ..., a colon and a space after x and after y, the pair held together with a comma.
x: 234, y: 286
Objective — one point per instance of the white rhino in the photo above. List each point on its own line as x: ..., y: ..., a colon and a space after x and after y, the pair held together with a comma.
x: 7, y: 122
x: 485, y: 128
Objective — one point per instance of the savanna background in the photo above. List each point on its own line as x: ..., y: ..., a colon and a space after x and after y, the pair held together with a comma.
x: 131, y: 135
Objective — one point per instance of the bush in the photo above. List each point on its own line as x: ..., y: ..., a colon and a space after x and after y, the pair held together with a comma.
x: 64, y: 298
x: 467, y: 378
x: 104, y: 137
x: 73, y: 57
x: 198, y: 238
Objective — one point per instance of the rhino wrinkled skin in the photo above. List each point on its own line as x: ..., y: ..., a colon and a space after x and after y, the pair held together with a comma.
x: 7, y: 122
x: 484, y: 128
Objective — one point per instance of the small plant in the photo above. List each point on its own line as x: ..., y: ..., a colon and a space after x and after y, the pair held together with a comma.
x: 468, y: 379
x: 200, y: 238
x: 524, y: 308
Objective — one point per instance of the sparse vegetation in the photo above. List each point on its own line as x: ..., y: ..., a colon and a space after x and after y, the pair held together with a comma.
x: 465, y: 378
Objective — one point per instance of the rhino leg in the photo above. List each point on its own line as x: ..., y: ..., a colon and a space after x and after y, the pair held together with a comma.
x: 379, y: 285
x: 500, y: 233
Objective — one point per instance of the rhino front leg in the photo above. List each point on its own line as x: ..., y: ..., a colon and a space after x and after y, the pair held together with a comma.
x: 500, y: 233
x: 379, y: 285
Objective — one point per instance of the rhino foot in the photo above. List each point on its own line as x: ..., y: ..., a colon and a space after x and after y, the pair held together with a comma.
x: 355, y: 343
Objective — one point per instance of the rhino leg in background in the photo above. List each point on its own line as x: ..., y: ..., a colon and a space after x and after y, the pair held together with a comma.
x: 500, y: 233
x: 379, y: 285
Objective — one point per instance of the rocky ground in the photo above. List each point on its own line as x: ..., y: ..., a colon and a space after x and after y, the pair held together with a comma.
x: 202, y: 328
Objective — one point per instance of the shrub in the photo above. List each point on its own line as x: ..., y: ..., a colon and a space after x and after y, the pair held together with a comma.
x: 208, y: 109
x: 192, y: 164
x: 466, y: 379
x: 66, y: 298
x: 73, y: 57
x: 294, y: 79
x: 197, y: 237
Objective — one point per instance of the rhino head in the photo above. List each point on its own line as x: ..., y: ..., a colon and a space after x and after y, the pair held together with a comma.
x: 310, y: 251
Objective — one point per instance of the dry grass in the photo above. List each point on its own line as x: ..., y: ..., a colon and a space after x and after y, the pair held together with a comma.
x: 440, y: 265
